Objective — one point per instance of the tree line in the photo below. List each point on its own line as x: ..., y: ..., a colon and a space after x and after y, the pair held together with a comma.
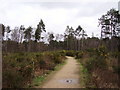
x: 21, y: 39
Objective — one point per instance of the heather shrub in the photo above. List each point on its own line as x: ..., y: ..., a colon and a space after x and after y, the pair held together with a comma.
x: 70, y: 53
x: 95, y: 62
x: 12, y: 78
x: 62, y: 53
x: 57, y: 58
x: 19, y: 68
x: 79, y: 55
x: 98, y: 60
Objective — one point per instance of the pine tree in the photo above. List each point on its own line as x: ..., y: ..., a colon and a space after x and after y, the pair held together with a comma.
x: 39, y: 30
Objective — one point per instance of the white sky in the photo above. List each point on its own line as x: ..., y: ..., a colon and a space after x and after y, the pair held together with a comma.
x: 56, y: 14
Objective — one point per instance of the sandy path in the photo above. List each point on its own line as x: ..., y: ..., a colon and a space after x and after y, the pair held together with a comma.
x: 66, y: 77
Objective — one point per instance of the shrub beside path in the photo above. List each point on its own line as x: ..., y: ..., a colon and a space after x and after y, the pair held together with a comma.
x: 67, y: 77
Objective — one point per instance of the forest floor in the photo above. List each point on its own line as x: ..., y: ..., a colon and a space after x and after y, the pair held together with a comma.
x: 67, y: 77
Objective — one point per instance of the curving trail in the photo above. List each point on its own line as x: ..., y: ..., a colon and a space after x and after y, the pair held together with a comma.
x: 67, y: 77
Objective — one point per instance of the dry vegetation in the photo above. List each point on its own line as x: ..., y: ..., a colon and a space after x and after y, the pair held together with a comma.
x: 20, y: 68
x: 101, y: 66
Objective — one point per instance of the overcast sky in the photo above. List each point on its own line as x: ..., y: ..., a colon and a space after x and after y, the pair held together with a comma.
x: 56, y: 14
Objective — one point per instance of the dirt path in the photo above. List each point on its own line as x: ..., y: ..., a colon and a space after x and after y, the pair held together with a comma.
x: 67, y: 77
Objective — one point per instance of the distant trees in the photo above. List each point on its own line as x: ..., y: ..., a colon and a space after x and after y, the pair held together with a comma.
x: 21, y: 31
x: 108, y: 23
x: 51, y: 41
x: 30, y: 39
x: 27, y: 37
x: 78, y: 31
x: 39, y: 30
x: 78, y: 34
x: 51, y: 37
x: 3, y: 30
x: 69, y: 37
x: 15, y: 34
x: 23, y: 38
x: 74, y: 38
x: 7, y: 32
x: 109, y: 31
x: 27, y: 33
x: 59, y: 37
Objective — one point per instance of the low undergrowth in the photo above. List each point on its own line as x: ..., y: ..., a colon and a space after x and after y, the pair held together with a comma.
x: 19, y: 69
x: 101, y: 67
